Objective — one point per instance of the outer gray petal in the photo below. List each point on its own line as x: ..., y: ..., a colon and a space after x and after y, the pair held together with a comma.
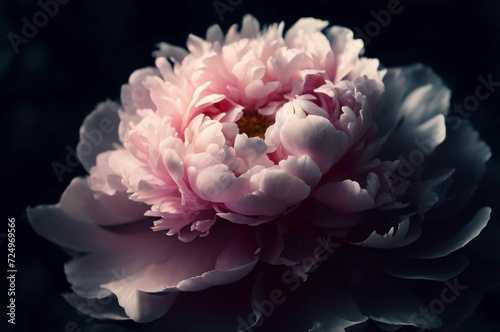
x: 99, y: 133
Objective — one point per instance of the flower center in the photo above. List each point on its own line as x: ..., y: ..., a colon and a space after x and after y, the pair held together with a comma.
x: 253, y: 124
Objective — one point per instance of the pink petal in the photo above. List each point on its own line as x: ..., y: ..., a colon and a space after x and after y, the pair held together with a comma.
x: 315, y: 137
x: 250, y: 27
x: 99, y: 133
x: 134, y: 95
x: 244, y: 220
x: 80, y: 202
x: 216, y: 183
x: 257, y: 89
x: 346, y: 50
x: 251, y: 150
x: 143, y: 261
x: 307, y: 25
x: 215, y: 34
x: 170, y: 51
x: 304, y: 168
x: 69, y: 223
x: 346, y: 196
x: 276, y: 191
x: 141, y: 306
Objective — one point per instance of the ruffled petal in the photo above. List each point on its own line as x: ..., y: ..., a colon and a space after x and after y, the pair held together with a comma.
x: 80, y: 202
x: 276, y: 191
x: 316, y: 137
x: 142, y: 261
x: 71, y: 223
x: 346, y: 196
x: 99, y: 133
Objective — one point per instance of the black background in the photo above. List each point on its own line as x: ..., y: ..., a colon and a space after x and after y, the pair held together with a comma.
x: 89, y: 48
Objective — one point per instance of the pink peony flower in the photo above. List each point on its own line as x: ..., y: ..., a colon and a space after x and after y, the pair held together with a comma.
x: 246, y: 148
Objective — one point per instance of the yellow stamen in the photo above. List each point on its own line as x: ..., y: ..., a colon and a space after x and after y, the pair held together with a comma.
x: 253, y: 124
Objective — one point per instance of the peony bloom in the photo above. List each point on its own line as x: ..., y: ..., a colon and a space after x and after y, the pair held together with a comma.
x: 256, y: 146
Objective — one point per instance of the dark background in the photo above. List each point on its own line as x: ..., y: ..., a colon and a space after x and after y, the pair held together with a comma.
x: 89, y: 48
